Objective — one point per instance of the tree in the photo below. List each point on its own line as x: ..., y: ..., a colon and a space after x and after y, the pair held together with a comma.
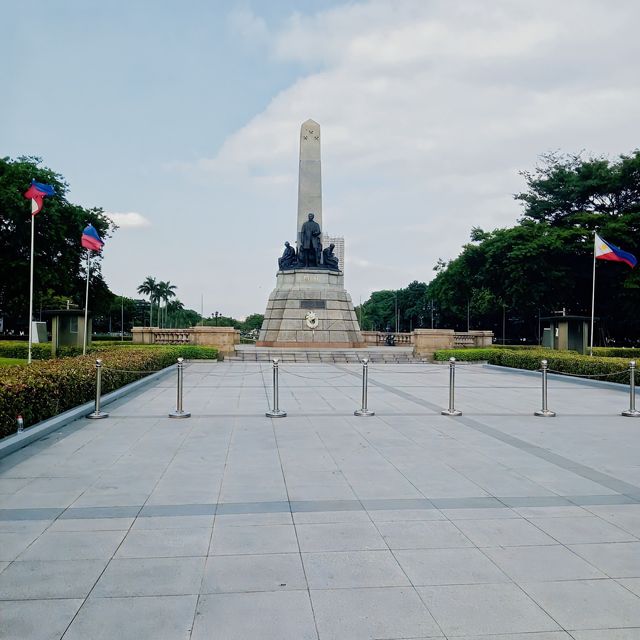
x: 149, y: 288
x: 164, y: 291
x: 252, y: 322
x: 59, y: 257
x: 544, y: 263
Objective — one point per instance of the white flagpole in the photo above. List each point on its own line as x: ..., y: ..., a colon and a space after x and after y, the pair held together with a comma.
x: 86, y: 307
x: 33, y: 222
x: 593, y: 293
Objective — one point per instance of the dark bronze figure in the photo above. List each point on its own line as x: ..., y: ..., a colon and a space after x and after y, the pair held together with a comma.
x: 288, y: 259
x: 310, y: 246
x: 329, y: 259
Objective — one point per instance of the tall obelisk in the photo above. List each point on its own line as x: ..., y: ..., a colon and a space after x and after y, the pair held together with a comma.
x: 309, y: 175
x: 309, y: 308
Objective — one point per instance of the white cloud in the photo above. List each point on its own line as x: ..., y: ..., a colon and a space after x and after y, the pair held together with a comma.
x: 130, y: 220
x: 428, y: 111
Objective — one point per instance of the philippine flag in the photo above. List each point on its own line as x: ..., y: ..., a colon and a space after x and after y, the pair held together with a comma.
x: 606, y: 251
x: 90, y: 239
x: 36, y: 192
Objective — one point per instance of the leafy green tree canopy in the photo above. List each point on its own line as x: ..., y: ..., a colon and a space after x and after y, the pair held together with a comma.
x: 59, y: 257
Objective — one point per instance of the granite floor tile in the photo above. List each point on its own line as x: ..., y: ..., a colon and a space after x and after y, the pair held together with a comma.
x: 268, y: 615
x: 448, y: 566
x: 13, y: 544
x: 587, y: 604
x: 362, y: 614
x: 609, y: 634
x: 350, y: 569
x: 404, y: 515
x: 341, y: 536
x: 126, y: 577
x: 616, y: 559
x: 484, y: 609
x: 36, y: 619
x: 268, y: 572
x: 158, y: 618
x: 41, y: 580
x: 172, y: 522
x: 165, y: 543
x: 91, y: 524
x: 319, y: 517
x: 582, y: 530
x: 542, y: 564
x: 422, y: 534
x: 74, y: 545
x: 547, y: 635
x: 503, y: 532
x: 633, y: 584
x: 233, y: 540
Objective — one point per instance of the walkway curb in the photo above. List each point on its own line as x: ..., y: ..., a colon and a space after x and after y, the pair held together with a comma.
x: 17, y: 441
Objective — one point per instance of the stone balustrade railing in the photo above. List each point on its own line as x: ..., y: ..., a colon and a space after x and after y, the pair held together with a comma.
x: 223, y: 338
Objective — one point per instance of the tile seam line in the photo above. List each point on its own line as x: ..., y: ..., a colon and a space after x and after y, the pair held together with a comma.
x: 562, y: 462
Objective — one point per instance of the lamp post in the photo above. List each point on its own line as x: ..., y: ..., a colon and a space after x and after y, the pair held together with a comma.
x: 216, y: 316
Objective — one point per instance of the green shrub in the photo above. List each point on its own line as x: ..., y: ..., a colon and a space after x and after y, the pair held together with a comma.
x: 617, y: 352
x: 567, y: 362
x: 45, y: 388
x: 471, y: 354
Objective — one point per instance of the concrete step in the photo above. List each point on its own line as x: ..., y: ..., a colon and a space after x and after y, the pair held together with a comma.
x: 375, y: 356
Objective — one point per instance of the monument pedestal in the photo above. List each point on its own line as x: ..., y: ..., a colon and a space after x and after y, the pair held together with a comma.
x: 310, y: 308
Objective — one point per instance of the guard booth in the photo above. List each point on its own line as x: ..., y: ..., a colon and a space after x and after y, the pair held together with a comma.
x: 566, y: 333
x: 67, y: 328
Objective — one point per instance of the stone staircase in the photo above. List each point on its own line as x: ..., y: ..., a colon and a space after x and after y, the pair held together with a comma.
x: 385, y: 355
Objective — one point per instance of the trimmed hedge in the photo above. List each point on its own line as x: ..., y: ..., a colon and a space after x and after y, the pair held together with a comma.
x: 39, y: 351
x: 559, y: 361
x: 17, y: 349
x: 617, y: 352
x: 46, y: 388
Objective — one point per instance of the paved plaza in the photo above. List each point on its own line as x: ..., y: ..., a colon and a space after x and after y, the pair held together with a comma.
x: 229, y: 525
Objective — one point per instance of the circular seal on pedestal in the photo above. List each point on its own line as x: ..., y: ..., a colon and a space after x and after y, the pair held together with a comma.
x: 311, y: 320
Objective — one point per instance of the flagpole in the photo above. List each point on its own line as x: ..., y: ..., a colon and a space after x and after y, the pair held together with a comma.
x: 86, y: 307
x: 33, y: 222
x: 593, y: 293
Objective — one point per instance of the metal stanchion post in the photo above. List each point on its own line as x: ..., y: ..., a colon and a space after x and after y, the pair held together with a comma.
x: 276, y: 412
x: 632, y: 412
x: 179, y: 413
x: 97, y: 414
x: 364, y: 411
x: 452, y: 411
x: 544, y: 412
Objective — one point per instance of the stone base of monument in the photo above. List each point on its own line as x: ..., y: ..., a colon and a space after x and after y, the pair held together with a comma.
x: 310, y: 308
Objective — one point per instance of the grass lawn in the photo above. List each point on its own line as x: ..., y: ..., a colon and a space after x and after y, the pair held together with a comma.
x: 7, y: 362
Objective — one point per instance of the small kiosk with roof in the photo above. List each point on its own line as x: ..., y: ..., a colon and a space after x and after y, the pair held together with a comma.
x: 567, y: 333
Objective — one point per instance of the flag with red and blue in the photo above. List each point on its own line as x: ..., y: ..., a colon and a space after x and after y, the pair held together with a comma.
x: 36, y: 192
x: 90, y: 239
x: 606, y: 251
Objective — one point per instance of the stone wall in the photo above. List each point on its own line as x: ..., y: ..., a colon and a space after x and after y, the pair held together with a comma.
x: 224, y: 339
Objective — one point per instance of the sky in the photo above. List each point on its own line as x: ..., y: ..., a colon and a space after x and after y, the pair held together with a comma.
x: 182, y: 119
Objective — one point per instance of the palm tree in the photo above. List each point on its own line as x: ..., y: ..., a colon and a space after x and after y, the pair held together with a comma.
x: 165, y: 290
x: 149, y: 288
x: 175, y: 307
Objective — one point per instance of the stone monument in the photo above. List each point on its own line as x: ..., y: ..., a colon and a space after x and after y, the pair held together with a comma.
x: 310, y: 308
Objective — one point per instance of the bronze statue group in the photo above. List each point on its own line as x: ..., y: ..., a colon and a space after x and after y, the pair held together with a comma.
x: 310, y: 253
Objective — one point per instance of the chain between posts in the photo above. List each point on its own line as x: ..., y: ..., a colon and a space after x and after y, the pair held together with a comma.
x: 97, y: 414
